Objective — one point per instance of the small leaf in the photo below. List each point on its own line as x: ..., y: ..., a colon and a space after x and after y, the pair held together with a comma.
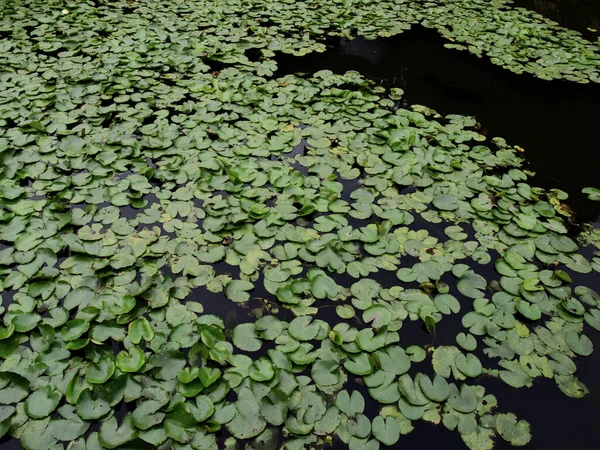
x: 471, y: 285
x: 113, y: 435
x: 131, y: 360
x: 515, y: 432
x: 350, y: 404
x: 437, y: 390
x: 42, y: 402
x: 579, y: 343
x: 445, y: 202
x: 466, y: 341
x: 237, y: 290
x: 244, y: 337
x: 464, y: 401
x: 468, y: 364
x: 140, y: 329
x: 386, y: 431
x: 89, y: 408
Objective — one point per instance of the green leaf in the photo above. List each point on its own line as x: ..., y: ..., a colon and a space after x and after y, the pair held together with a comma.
x: 14, y: 389
x: 447, y: 304
x: 443, y: 360
x: 101, y: 371
x: 113, y: 435
x: 515, y: 432
x: 360, y: 364
x: 321, y: 285
x: 466, y: 341
x: 345, y: 311
x: 411, y: 391
x: 464, y: 401
x: 386, y: 431
x: 359, y: 426
x: 592, y: 318
x: 146, y: 414
x: 437, y: 390
x: 274, y: 407
x: 445, y: 202
x: 480, y: 439
x: 90, y: 408
x: 579, y: 343
x: 592, y: 193
x: 571, y: 386
x: 28, y: 241
x: 180, y: 424
x: 531, y: 311
x: 369, y: 341
x: 363, y: 444
x: 393, y: 359
x: 212, y: 255
x: 261, y: 370
x: 237, y: 290
x: 205, y: 408
x: 74, y: 329
x: 244, y: 337
x: 35, y: 435
x: 247, y: 422
x: 303, y: 328
x: 329, y: 422
x: 208, y: 375
x: 131, y: 360
x: 471, y: 285
x: 72, y: 145
x: 140, y: 329
x: 69, y: 428
x: 42, y: 402
x: 468, y: 364
x: 350, y: 404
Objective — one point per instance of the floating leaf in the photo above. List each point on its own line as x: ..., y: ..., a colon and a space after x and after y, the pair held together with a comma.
x: 247, y: 423
x: 131, y: 360
x: 580, y: 344
x: 237, y: 290
x: 445, y: 202
x: 245, y: 338
x: 350, y: 404
x: 471, y: 285
x: 464, y: 401
x: 437, y: 390
x: 513, y: 431
x: 42, y: 402
x: 90, y: 408
x: 386, y: 430
x: 113, y: 435
x: 466, y: 341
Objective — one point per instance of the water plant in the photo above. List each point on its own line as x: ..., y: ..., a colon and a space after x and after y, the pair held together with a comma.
x: 197, y: 252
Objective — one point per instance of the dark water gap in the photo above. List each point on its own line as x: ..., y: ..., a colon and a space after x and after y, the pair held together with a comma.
x: 554, y: 121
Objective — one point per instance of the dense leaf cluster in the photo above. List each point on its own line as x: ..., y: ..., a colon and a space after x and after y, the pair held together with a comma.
x: 140, y: 186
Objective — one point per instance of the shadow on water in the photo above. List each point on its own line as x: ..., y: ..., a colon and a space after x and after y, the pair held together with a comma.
x: 554, y: 121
